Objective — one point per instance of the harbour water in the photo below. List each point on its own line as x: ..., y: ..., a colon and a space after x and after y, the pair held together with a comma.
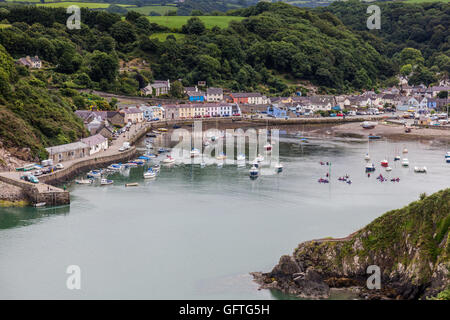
x: 196, y: 233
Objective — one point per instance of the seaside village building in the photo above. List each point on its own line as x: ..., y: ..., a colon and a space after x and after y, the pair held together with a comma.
x: 95, y: 143
x: 70, y: 151
x: 157, y: 88
x: 205, y: 110
x: 214, y: 94
x: 133, y: 115
x: 30, y: 62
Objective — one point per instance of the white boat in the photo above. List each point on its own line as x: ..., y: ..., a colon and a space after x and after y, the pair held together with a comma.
x: 219, y: 164
x: 420, y: 169
x: 83, y: 181
x: 150, y: 155
x: 278, y: 167
x: 388, y: 169
x: 254, y: 172
x: 259, y: 158
x: 368, y: 125
x: 367, y: 157
x: 156, y: 167
x: 105, y: 182
x: 202, y: 164
x: 447, y: 155
x: 405, y: 162
x: 150, y: 174
x: 94, y: 174
x: 405, y: 150
x: 115, y: 167
x: 370, y: 167
x: 168, y: 160
x: 195, y: 152
x: 241, y: 157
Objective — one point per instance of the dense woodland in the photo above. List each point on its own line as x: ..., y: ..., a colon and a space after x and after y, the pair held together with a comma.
x: 271, y: 50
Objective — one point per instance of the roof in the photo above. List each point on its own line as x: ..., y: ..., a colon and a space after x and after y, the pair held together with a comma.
x: 131, y: 110
x: 214, y: 91
x: 245, y: 94
x: 67, y: 147
x: 195, y: 93
x: 94, y: 140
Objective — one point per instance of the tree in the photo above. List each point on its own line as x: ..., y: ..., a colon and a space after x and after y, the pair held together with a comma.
x: 406, y: 70
x: 411, y: 56
x: 103, y: 66
x: 194, y: 26
x: 442, y: 94
x: 176, y: 89
x: 123, y: 32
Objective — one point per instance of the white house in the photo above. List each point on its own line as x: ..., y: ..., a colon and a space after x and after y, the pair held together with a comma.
x: 96, y: 143
x: 214, y: 94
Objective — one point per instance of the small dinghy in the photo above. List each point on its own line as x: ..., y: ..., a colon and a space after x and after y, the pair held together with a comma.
x: 259, y: 158
x: 322, y: 180
x: 168, y: 160
x: 162, y: 150
x: 219, y: 164
x: 254, y: 172
x: 115, y: 167
x: 420, y: 169
x: 397, y: 158
x: 133, y: 184
x: 388, y: 169
x: 385, y: 163
x: 405, y: 150
x: 105, y: 182
x: 405, y: 162
x: 241, y: 157
x: 279, y: 168
x: 367, y: 157
x: 370, y: 167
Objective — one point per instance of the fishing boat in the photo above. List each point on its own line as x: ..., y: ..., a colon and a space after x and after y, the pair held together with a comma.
x: 384, y: 163
x: 405, y: 162
x: 279, y: 168
x: 420, y: 169
x: 195, y: 152
x: 259, y: 158
x: 105, y: 182
x: 241, y: 157
x: 221, y: 156
x: 254, y: 172
x: 168, y: 160
x: 268, y: 147
x: 83, y: 181
x: 370, y: 167
x: 150, y: 174
x: 94, y: 174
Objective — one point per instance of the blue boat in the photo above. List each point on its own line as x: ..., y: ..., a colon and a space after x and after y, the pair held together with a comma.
x: 144, y: 158
x: 162, y: 150
x: 372, y: 137
x: 370, y: 167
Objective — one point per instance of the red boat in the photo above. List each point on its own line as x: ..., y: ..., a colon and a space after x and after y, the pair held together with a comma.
x: 384, y: 163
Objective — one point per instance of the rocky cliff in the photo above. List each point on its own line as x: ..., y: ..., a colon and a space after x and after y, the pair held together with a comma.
x: 411, y: 247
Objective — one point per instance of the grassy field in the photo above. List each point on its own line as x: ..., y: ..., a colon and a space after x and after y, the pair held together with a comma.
x: 159, y: 9
x: 179, y: 21
x: 90, y: 5
x: 163, y: 35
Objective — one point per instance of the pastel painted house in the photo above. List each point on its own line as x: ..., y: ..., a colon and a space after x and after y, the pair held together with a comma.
x: 70, y: 151
x: 214, y: 94
x: 133, y: 115
x: 276, y: 111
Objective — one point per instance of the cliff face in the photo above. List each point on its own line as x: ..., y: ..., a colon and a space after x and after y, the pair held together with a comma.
x: 411, y: 247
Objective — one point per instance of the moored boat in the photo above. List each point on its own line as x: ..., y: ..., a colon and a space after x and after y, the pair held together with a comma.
x: 279, y: 168
x: 195, y: 152
x: 385, y: 163
x: 388, y: 169
x: 105, y: 182
x: 254, y: 172
x: 94, y: 174
x: 221, y: 156
x: 370, y: 167
x: 405, y: 162
x: 367, y: 157
x: 268, y: 147
x: 397, y: 158
x: 150, y: 174
x: 168, y: 160
x: 259, y: 158
x: 420, y: 169
x: 83, y: 181
x: 241, y: 157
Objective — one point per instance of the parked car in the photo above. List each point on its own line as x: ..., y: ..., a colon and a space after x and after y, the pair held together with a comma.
x: 59, y: 166
x: 37, y: 173
x: 340, y: 114
x: 30, y: 178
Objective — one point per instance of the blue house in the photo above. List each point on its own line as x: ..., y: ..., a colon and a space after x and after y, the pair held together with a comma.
x: 275, y: 111
x: 431, y: 103
x: 196, y: 96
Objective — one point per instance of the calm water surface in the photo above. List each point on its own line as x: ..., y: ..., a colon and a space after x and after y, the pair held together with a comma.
x: 196, y: 233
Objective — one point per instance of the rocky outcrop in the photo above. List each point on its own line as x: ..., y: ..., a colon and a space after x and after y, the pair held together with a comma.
x: 410, y: 246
